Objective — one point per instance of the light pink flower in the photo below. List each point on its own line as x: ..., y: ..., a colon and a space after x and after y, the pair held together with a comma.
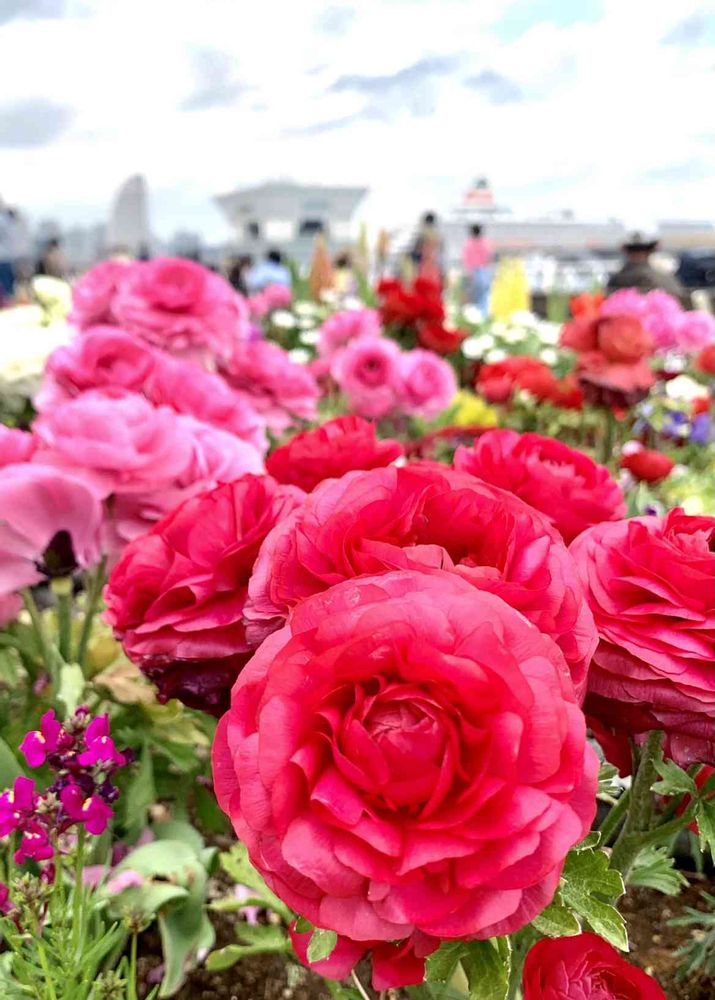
x: 427, y: 383
x: 281, y: 390
x: 367, y: 371
x: 182, y: 307
x: 695, y: 331
x: 93, y: 294
x: 270, y: 298
x: 37, y: 503
x: 15, y: 446
x: 343, y: 327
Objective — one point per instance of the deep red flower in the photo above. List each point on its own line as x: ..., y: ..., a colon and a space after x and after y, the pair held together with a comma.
x: 498, y: 381
x: 649, y: 581
x: 586, y: 304
x: 428, y: 518
x: 176, y: 597
x: 435, y: 336
x: 407, y: 754
x: 612, y: 366
x: 329, y: 451
x: 647, y: 466
x: 705, y: 361
x: 405, y: 307
x: 581, y: 967
x: 572, y: 490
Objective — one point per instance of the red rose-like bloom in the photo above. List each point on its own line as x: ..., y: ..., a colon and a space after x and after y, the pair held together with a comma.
x: 498, y: 381
x: 329, y: 451
x: 581, y: 967
x: 435, y: 336
x: 563, y: 483
x: 407, y: 754
x: 427, y: 518
x: 649, y: 581
x: 705, y: 361
x: 567, y: 394
x: 402, y: 306
x: 612, y: 366
x: 648, y: 466
x: 175, y: 598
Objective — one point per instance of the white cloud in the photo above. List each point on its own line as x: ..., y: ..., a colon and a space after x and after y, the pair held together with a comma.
x: 609, y: 120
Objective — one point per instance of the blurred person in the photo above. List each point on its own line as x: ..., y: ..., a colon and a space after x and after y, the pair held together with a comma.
x: 52, y: 261
x: 638, y: 272
x: 270, y: 271
x: 7, y: 252
x: 427, y: 252
x: 476, y: 260
x: 238, y: 268
x: 344, y: 281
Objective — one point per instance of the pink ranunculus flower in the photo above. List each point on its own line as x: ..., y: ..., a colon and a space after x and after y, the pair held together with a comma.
x: 367, y: 372
x: 121, y: 443
x: 10, y: 607
x: 695, y: 331
x: 270, y: 298
x: 427, y: 383
x: 342, y: 328
x: 181, y: 307
x: 93, y: 294
x: 16, y: 446
x: 105, y: 357
x: 50, y: 524
x: 282, y: 391
x: 428, y: 518
x: 407, y: 756
x: 191, y: 390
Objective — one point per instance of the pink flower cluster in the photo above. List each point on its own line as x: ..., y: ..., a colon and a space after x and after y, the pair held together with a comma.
x: 271, y: 297
x: 83, y: 757
x: 671, y: 327
x: 379, y: 379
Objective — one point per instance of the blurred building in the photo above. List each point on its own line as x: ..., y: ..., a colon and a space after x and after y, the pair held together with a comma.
x: 128, y: 228
x: 288, y: 216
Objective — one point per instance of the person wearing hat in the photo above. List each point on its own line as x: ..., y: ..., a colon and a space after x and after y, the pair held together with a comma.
x: 638, y: 272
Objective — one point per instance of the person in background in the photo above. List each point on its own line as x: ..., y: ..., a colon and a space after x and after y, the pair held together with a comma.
x: 270, y: 271
x: 427, y: 253
x: 7, y: 253
x: 638, y: 272
x: 476, y: 260
x: 344, y: 276
x: 238, y: 268
x: 52, y: 261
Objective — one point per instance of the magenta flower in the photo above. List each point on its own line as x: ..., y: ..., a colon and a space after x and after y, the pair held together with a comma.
x: 91, y: 810
x: 5, y: 905
x: 100, y: 745
x: 43, y: 741
x: 367, y: 371
x: 16, y: 805
x: 35, y: 844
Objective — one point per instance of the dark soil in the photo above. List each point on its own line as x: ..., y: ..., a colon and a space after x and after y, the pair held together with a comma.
x: 273, y: 977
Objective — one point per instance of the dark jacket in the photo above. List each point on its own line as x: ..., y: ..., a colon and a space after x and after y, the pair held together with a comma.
x: 646, y: 278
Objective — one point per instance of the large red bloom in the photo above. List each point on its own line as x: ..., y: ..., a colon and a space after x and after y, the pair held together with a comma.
x: 176, y: 597
x: 329, y: 451
x: 574, y: 968
x: 647, y: 466
x: 499, y: 380
x: 613, y: 352
x: 649, y: 581
x: 407, y: 754
x: 427, y: 518
x: 566, y: 485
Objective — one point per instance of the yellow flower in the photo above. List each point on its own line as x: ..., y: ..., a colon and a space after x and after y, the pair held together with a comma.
x: 470, y: 410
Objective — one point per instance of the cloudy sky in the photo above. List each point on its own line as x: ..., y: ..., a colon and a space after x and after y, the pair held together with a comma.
x: 602, y: 106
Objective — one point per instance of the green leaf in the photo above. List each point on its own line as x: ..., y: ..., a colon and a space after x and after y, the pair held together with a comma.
x: 210, y: 815
x: 302, y: 925
x: 654, y: 868
x: 147, y: 899
x: 593, y: 839
x: 589, y: 886
x: 321, y: 945
x: 71, y: 686
x: 265, y: 936
x: 163, y: 858
x: 140, y: 794
x: 441, y: 964
x: 184, y: 927
x: 487, y: 965
x: 556, y: 921
x: 10, y: 767
x: 224, y: 958
x: 606, y: 779
x: 705, y: 817
x: 237, y: 865
x: 175, y: 829
x: 675, y: 781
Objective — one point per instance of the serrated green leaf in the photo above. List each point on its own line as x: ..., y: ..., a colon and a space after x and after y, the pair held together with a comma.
x: 224, y: 958
x: 593, y: 839
x: 321, y: 945
x: 589, y: 886
x: 674, y: 780
x: 441, y: 964
x: 705, y: 817
x: 237, y: 865
x: 487, y: 970
x: 556, y: 921
x: 654, y: 869
x: 302, y: 925
x: 267, y: 936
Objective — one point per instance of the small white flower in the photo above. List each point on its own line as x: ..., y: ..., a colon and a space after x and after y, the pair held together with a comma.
x: 514, y: 334
x: 309, y: 337
x: 283, y: 319
x: 474, y: 347
x: 685, y: 388
x: 472, y: 313
x: 305, y: 308
x: 496, y: 354
x: 329, y: 295
x: 299, y: 355
x: 549, y: 333
x: 548, y: 355
x: 306, y: 323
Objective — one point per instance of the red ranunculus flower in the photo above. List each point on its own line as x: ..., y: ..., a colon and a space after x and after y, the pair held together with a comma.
x: 647, y: 466
x: 407, y: 755
x: 567, y: 394
x: 649, y: 581
x: 435, y: 336
x: 402, y: 306
x: 563, y: 483
x: 176, y: 597
x: 705, y: 361
x: 427, y: 518
x: 329, y: 451
x: 586, y: 304
x: 612, y: 365
x: 581, y: 967
x: 499, y: 380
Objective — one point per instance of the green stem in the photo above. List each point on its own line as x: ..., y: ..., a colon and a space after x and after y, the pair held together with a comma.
x: 132, y: 990
x: 359, y: 986
x: 614, y: 817
x: 46, y: 651
x: 609, y: 436
x: 78, y: 891
x: 640, y: 809
x: 64, y: 622
x: 93, y: 595
x: 45, y: 965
